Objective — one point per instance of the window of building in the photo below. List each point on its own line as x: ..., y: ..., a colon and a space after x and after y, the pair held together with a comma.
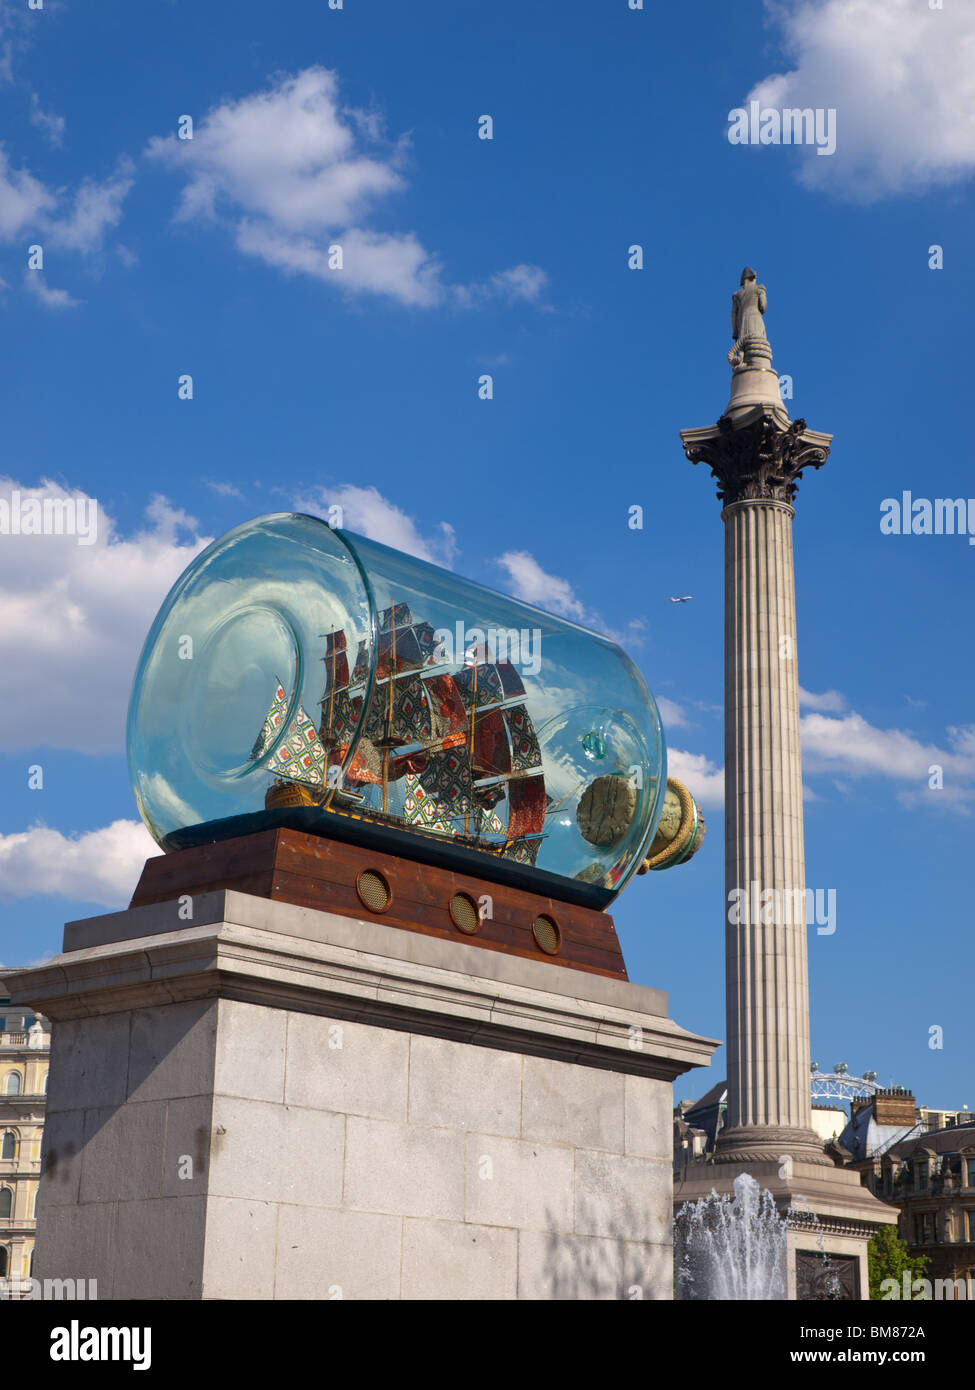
x: 970, y: 1170
x: 921, y: 1174
x: 13, y: 1085
x: 923, y: 1229
x: 6, y: 1200
x: 4, y: 1261
x: 971, y: 1224
x: 8, y: 1145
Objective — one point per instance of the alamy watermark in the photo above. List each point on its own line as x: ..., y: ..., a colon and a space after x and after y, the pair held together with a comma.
x: 49, y: 516
x: 920, y: 516
x: 924, y: 1290
x: 50, y: 1290
x: 783, y: 907
x: 467, y: 645
x: 792, y: 125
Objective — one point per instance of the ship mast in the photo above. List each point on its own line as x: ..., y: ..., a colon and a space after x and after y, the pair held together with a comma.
x: 470, y: 741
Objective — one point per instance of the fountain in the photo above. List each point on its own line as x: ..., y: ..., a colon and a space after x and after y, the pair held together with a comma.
x: 736, y: 1248
x: 731, y: 1247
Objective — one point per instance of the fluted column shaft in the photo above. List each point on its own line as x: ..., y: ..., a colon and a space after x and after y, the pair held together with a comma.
x: 767, y: 978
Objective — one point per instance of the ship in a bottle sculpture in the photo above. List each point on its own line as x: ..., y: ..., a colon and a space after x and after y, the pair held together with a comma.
x: 301, y: 678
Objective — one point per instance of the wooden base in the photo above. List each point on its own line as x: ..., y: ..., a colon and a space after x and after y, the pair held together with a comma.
x: 312, y: 871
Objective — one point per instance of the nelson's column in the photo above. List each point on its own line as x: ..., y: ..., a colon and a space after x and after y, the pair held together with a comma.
x: 757, y: 455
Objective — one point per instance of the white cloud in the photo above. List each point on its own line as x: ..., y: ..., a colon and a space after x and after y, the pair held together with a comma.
x: 46, y: 121
x: 527, y: 580
x: 292, y: 172
x: 73, y: 619
x: 50, y: 298
x: 521, y: 282
x: 830, y: 700
x: 397, y: 266
x: 101, y: 866
x: 223, y: 489
x: 853, y: 746
x: 671, y: 713
x: 901, y: 77
x: 24, y: 200
x: 700, y: 776
x: 366, y: 511
x: 28, y: 209
x: 96, y: 209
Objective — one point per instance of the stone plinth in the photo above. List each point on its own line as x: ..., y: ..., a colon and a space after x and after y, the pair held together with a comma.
x: 273, y: 1102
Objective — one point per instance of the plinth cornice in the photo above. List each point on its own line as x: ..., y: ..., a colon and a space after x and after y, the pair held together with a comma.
x: 363, y: 972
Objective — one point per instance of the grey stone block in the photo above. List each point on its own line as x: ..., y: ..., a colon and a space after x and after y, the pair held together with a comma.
x: 186, y: 1152
x: 649, y: 1114
x: 160, y: 1248
x: 78, y: 1242
x: 337, y: 1254
x: 276, y: 1153
x: 172, y: 1050
x: 458, y: 1086
x: 89, y: 1062
x: 621, y: 1197
x: 458, y: 1261
x: 565, y: 1104
x: 249, y: 1057
x: 62, y: 1153
x: 238, y: 1257
x: 404, y: 1170
x: 123, y: 1153
x: 648, y: 1271
x: 347, y: 1067
x: 511, y: 1182
x: 568, y: 1267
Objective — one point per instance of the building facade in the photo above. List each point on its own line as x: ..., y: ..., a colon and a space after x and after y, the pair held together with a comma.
x: 930, y: 1179
x: 25, y: 1046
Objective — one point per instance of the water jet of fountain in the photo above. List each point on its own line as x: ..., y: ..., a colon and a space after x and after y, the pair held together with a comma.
x: 731, y: 1248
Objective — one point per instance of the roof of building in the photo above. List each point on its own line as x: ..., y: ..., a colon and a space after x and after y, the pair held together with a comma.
x: 939, y: 1141
x: 710, y: 1099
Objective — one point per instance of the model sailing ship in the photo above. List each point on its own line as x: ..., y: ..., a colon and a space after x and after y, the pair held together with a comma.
x: 445, y: 750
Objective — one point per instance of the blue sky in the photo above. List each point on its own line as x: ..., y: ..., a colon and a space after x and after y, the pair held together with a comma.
x: 359, y: 126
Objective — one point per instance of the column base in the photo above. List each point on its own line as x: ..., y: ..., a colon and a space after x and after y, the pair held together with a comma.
x: 769, y: 1144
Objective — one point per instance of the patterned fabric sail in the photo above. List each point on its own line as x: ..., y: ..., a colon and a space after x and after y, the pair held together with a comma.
x: 272, y: 723
x: 361, y: 669
x: 340, y: 717
x: 410, y: 720
x: 398, y: 615
x: 447, y: 776
x: 492, y: 749
x: 526, y: 796
x: 448, y: 717
x: 336, y: 660
x: 525, y: 752
x: 424, y: 809
x: 488, y: 683
x: 299, y: 757
x: 404, y: 649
